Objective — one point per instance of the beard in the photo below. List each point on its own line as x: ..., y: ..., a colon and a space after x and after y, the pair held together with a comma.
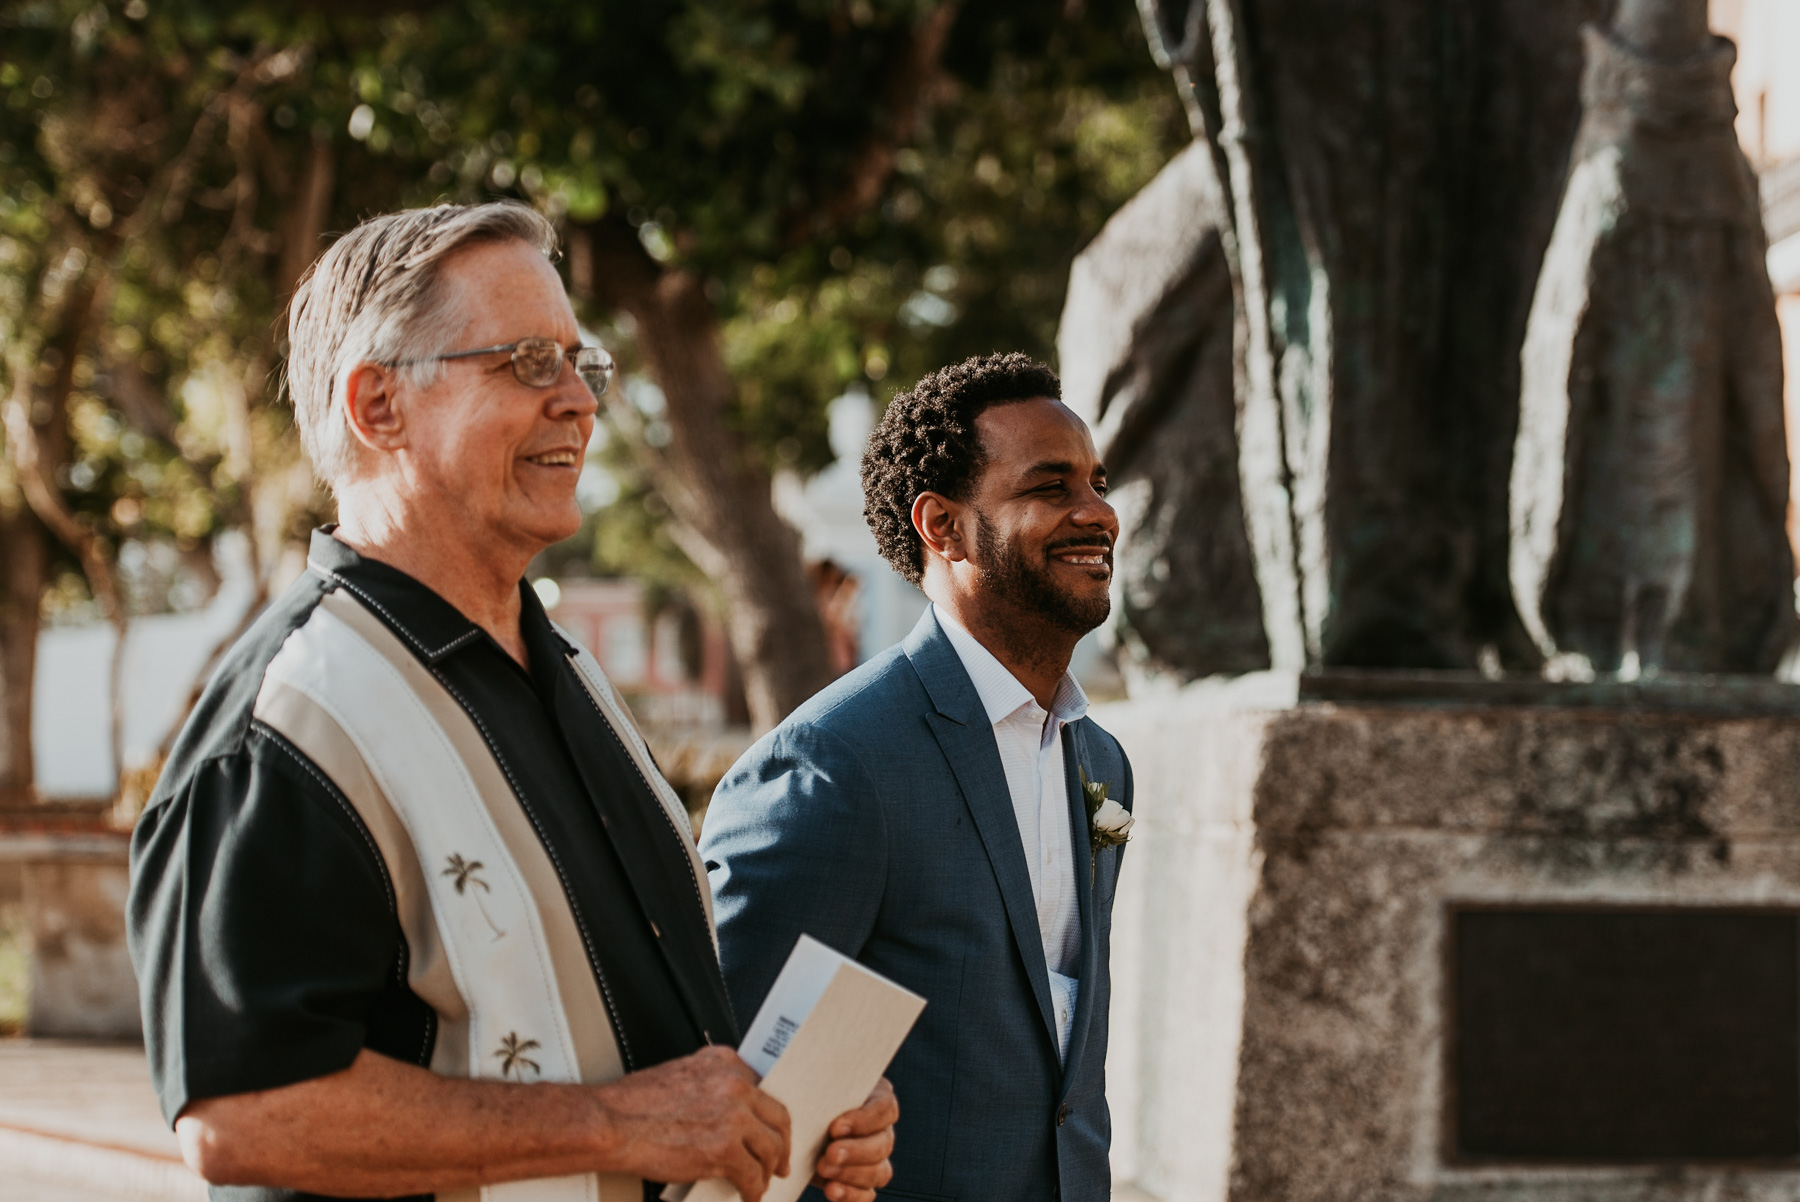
x: 1023, y: 577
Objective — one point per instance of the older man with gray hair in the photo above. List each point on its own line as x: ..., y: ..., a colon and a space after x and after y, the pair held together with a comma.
x: 412, y: 910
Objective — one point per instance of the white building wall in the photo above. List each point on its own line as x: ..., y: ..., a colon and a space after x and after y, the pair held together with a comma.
x: 1766, y: 84
x: 164, y: 653
x: 827, y: 511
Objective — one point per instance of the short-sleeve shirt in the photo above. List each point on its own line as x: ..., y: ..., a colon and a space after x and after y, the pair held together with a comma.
x: 266, y: 943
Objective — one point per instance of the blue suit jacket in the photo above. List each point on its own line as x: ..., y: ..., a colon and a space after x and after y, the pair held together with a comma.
x: 877, y: 819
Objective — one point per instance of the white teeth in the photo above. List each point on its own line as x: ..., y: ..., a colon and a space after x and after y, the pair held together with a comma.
x: 553, y: 459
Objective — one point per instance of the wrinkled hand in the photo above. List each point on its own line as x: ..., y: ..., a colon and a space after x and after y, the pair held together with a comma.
x: 697, y: 1117
x: 854, y: 1163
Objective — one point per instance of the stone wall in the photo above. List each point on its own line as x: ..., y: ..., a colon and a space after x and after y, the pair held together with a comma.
x: 70, y: 874
x: 1279, y: 964
x: 82, y: 984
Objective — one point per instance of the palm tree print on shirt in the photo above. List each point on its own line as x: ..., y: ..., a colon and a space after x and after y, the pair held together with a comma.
x: 467, y: 873
x: 512, y: 1057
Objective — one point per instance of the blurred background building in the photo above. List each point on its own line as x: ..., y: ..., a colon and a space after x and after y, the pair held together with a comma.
x: 1767, y: 86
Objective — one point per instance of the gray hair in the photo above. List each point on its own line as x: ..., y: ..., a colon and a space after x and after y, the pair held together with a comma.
x: 378, y: 296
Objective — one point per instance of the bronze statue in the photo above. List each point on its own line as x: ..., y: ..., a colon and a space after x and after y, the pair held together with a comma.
x: 1650, y: 478
x: 1384, y: 183
x: 1146, y: 350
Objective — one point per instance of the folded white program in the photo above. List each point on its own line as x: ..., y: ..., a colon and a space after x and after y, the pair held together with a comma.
x: 824, y: 1035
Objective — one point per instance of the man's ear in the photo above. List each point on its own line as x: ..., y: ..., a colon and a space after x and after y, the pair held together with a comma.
x: 941, y: 526
x: 371, y: 395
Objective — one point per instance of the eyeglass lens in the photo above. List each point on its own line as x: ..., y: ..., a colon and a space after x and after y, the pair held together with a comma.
x: 538, y: 362
x: 596, y: 367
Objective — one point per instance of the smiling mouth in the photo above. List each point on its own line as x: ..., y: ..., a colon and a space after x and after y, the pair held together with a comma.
x: 1085, y: 557
x: 563, y: 458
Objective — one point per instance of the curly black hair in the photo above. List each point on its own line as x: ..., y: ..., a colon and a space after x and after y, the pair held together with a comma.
x: 926, y: 442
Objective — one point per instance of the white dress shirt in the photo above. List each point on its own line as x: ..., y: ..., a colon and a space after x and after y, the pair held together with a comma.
x: 1031, y: 752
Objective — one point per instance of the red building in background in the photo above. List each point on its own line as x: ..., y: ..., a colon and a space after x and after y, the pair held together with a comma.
x: 673, y: 665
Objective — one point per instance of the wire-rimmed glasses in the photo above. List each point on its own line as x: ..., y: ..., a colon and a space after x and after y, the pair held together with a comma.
x: 538, y: 362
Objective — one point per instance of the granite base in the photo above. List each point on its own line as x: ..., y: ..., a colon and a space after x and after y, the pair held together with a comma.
x: 1279, y: 1016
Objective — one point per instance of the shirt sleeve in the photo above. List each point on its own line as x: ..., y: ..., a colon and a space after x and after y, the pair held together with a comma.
x: 261, y: 924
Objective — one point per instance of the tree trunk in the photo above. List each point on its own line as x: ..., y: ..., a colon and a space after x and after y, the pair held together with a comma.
x: 24, y: 552
x: 305, y: 222
x: 709, y: 474
x: 36, y: 420
x: 1391, y: 174
x: 719, y: 492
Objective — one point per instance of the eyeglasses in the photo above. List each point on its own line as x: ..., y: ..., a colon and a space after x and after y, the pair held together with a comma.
x: 538, y: 362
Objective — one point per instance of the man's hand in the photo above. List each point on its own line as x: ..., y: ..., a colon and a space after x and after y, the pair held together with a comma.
x: 854, y: 1163
x: 702, y: 1116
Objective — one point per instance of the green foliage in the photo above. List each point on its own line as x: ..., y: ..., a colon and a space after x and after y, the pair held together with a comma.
x: 969, y: 252
x: 136, y: 163
x: 856, y: 218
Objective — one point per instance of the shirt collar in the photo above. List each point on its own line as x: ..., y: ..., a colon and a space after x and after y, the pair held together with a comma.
x: 1002, y: 694
x: 430, y: 625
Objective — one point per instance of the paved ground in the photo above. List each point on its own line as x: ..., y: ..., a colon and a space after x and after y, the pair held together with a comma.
x: 79, y: 1123
x: 19, y: 1187
x: 98, y: 1092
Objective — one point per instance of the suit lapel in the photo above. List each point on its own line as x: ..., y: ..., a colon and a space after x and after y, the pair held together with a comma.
x: 965, y: 736
x: 1082, y: 846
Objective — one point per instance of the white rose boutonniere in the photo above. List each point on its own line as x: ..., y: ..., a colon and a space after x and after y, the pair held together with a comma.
x: 1109, y: 823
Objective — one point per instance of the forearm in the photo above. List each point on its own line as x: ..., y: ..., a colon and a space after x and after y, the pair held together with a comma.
x: 383, y: 1128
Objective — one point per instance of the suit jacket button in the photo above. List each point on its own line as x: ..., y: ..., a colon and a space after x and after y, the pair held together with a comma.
x: 1062, y: 1116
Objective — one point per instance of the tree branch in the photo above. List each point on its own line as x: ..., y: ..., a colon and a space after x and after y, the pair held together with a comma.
x: 909, y: 93
x: 716, y: 487
x: 143, y: 405
x: 37, y: 484
x: 306, y: 221
x: 180, y: 175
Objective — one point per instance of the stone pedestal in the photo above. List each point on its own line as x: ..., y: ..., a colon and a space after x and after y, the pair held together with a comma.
x: 1282, y: 963
x: 74, y: 879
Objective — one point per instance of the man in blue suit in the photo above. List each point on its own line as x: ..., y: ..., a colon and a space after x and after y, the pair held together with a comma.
x: 946, y: 813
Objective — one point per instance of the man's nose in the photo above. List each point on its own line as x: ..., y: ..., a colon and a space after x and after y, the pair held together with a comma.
x: 1095, y: 510
x: 571, y: 397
